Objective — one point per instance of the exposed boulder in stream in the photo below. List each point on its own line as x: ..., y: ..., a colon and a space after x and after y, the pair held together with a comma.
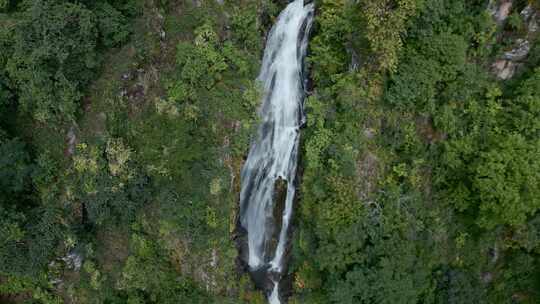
x: 279, y: 197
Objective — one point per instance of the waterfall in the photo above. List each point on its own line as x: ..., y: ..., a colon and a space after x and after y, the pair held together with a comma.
x: 274, y: 152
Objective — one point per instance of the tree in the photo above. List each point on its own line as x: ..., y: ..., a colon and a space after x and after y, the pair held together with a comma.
x: 53, y: 53
x: 15, y: 168
x: 507, y: 181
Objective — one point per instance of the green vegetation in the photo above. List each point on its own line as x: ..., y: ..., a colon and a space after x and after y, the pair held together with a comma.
x: 423, y: 169
x: 124, y: 123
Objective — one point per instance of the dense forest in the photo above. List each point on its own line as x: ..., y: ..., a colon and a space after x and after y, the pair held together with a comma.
x: 124, y: 125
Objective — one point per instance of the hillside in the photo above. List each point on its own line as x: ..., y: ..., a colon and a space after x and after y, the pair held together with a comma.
x: 125, y: 124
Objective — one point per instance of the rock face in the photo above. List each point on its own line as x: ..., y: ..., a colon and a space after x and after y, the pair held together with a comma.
x: 530, y: 17
x: 73, y: 260
x: 504, y: 69
x: 280, y: 195
x: 520, y: 52
x: 71, y: 140
x: 500, y: 10
x: 509, y: 63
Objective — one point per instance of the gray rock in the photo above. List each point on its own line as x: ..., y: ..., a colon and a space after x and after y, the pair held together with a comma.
x: 530, y: 16
x: 527, y: 12
x: 355, y: 61
x: 73, y: 260
x: 520, y: 52
x: 500, y: 10
x: 504, y: 69
x: 72, y: 140
x: 369, y: 133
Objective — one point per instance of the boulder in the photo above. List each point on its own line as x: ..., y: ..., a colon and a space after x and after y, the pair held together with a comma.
x: 530, y: 16
x: 520, y: 52
x: 504, y: 69
x: 280, y: 196
x: 73, y: 260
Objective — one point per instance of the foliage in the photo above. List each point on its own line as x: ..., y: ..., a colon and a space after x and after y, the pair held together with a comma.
x: 441, y: 166
x: 124, y: 123
x: 108, y: 187
x: 53, y: 53
x: 48, y: 71
x: 14, y: 166
x: 385, y: 21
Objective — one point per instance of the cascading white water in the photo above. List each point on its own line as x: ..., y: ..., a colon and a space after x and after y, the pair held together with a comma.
x: 274, y: 152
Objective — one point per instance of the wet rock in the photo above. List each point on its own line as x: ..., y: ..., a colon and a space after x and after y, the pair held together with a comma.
x: 261, y: 279
x: 280, y: 196
x: 241, y: 240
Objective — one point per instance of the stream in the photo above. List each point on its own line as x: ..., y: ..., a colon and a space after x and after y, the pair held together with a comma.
x: 269, y: 172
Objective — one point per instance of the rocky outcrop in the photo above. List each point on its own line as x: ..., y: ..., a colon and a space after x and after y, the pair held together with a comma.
x: 500, y: 10
x: 71, y: 140
x: 530, y: 17
x: 507, y: 65
x: 280, y: 195
x: 73, y: 260
x: 519, y: 52
x: 504, y: 69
